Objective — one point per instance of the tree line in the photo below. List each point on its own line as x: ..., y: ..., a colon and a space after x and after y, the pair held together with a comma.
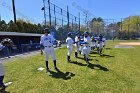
x: 128, y: 27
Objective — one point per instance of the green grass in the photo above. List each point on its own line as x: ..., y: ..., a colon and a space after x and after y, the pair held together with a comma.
x: 118, y: 71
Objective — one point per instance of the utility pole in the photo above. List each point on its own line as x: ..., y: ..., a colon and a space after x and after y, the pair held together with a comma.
x: 14, y: 11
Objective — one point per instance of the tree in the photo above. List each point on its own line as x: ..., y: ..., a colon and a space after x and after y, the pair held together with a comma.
x: 12, y: 27
x: 3, y: 25
x: 97, y: 25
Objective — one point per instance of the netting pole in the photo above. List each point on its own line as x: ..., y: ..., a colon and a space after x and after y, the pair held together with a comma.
x: 62, y: 16
x: 55, y: 17
x: 44, y: 9
x: 79, y: 22
x: 68, y: 18
x: 137, y: 28
x: 49, y: 12
x: 129, y: 28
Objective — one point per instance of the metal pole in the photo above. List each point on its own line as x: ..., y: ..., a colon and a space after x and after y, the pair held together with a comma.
x: 121, y: 24
x: 86, y: 22
x: 72, y: 24
x: 55, y: 16
x: 79, y: 22
x: 14, y: 11
x: 113, y: 29
x: 68, y: 18
x: 44, y: 12
x: 137, y: 28
x: 62, y: 16
x: 129, y: 28
x: 49, y: 13
x: 0, y: 17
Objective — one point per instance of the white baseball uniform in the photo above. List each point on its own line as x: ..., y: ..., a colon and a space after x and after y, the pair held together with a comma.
x: 77, y: 44
x: 87, y: 48
x: 47, y: 42
x: 69, y: 42
x: 2, y: 70
x: 103, y: 41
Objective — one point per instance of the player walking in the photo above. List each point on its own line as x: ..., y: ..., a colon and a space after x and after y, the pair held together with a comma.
x: 87, y: 47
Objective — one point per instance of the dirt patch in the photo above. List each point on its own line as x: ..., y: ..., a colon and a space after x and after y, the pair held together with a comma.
x: 131, y: 43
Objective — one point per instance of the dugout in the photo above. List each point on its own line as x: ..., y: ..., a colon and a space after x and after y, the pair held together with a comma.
x: 22, y: 40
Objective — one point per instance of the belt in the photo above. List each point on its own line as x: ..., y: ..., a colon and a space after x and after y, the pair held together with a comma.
x: 48, y: 46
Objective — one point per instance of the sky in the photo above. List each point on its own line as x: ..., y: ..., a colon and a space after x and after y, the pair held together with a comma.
x: 107, y: 9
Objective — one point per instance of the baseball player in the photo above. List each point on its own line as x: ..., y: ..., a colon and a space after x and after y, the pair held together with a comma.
x: 69, y: 42
x: 77, y: 44
x: 103, y: 41
x: 93, y: 43
x: 2, y: 72
x: 99, y: 46
x: 87, y: 48
x: 46, y: 43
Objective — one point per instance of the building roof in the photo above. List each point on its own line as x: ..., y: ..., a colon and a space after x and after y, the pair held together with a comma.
x: 18, y: 34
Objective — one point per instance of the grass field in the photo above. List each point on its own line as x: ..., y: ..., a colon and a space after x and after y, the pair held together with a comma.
x: 117, y: 71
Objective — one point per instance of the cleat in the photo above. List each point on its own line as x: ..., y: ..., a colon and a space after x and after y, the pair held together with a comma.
x: 47, y: 70
x: 56, y: 68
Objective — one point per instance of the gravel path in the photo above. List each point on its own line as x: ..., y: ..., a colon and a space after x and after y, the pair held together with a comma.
x: 5, y: 59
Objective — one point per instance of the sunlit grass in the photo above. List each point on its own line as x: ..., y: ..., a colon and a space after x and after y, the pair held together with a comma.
x: 117, y: 71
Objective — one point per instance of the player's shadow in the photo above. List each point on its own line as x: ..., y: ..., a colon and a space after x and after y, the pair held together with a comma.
x: 61, y: 75
x: 3, y: 91
x: 78, y: 63
x: 92, y: 55
x: 97, y: 67
x: 106, y: 56
x: 82, y: 58
x: 108, y: 48
x: 93, y: 52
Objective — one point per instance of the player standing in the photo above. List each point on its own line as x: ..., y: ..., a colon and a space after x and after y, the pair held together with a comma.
x: 46, y: 42
x: 69, y: 42
x: 77, y: 44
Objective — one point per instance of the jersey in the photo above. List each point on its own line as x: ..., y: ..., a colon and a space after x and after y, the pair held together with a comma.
x: 69, y: 42
x: 47, y: 40
x: 76, y: 39
x: 87, y: 40
x: 103, y: 39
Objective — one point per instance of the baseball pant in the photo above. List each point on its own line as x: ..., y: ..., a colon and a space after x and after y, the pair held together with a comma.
x: 86, y: 51
x: 49, y: 51
x: 77, y: 49
x: 69, y: 50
